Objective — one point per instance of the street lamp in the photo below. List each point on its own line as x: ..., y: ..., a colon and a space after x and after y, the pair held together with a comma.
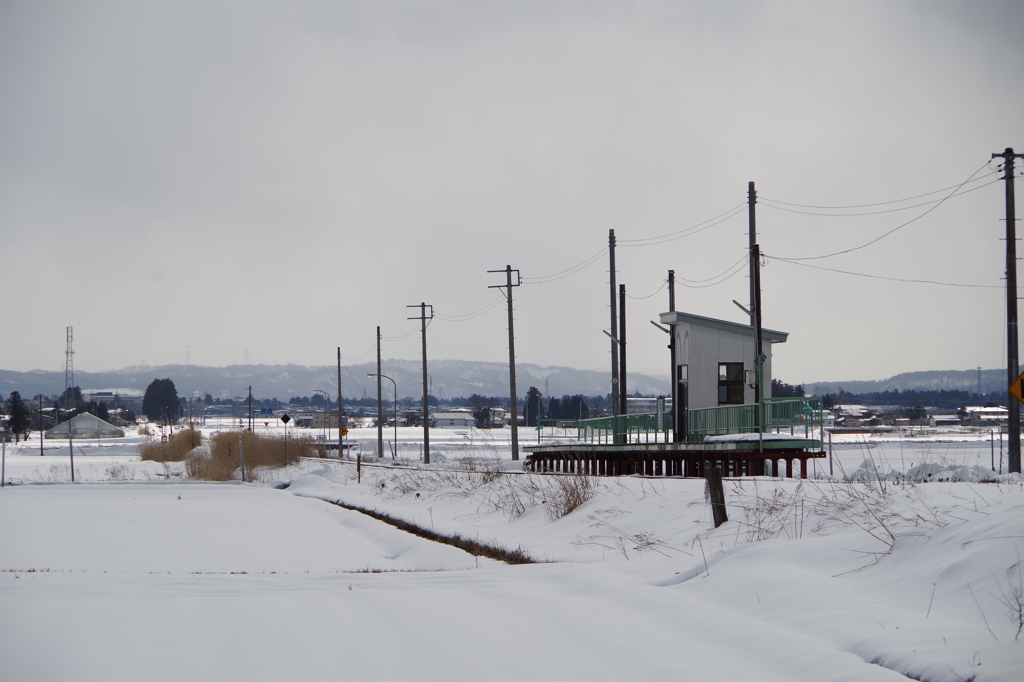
x: 394, y: 450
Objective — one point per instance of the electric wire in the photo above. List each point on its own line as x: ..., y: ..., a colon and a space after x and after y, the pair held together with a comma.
x: 368, y: 352
x: 565, y: 273
x: 641, y: 298
x: 882, y: 203
x: 888, y: 210
x: 685, y: 232
x: 739, y: 267
x: 469, y: 316
x: 883, y: 236
x: 743, y: 259
x: 392, y: 339
x: 888, y: 279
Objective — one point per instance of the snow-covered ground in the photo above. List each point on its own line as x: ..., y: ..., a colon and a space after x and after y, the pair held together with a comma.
x: 137, y: 574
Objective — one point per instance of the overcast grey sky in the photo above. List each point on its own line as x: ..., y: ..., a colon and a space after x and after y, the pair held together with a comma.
x: 273, y: 180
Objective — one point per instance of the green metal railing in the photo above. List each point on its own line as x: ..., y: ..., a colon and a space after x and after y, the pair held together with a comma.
x: 634, y: 428
x: 773, y: 414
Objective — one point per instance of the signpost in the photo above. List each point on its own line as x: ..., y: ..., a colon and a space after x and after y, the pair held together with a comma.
x: 285, y: 418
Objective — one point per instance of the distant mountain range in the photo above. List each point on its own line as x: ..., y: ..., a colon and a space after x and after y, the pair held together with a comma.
x: 448, y: 379
x: 936, y: 380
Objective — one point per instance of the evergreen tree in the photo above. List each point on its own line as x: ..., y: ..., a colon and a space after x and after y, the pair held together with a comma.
x: 533, y: 406
x: 20, y: 419
x: 161, y: 401
x: 554, y: 409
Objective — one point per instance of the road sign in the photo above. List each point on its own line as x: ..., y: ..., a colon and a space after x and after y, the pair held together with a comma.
x: 344, y: 431
x: 285, y: 418
x: 1017, y: 388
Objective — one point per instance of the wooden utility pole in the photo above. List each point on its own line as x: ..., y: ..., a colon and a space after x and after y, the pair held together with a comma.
x: 511, y: 354
x: 677, y: 430
x: 426, y: 410
x: 758, y: 341
x: 622, y: 351
x: 1012, y: 359
x: 341, y: 423
x: 380, y: 405
x: 612, y: 327
x: 752, y: 236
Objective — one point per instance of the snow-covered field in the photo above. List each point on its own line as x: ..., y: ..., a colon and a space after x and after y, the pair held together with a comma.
x: 137, y: 574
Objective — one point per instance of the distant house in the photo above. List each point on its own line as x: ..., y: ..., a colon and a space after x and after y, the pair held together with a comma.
x: 321, y: 420
x: 987, y: 416
x: 944, y: 420
x: 453, y: 419
x: 85, y: 425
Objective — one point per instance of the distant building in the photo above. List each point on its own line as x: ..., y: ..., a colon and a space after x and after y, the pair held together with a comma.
x: 116, y: 397
x: 319, y: 420
x: 987, y: 416
x: 453, y: 419
x: 85, y: 425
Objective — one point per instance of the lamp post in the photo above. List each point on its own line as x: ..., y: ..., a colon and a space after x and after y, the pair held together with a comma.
x: 394, y: 451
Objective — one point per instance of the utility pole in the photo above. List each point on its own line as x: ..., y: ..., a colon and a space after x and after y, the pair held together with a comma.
x: 340, y: 424
x: 250, y: 409
x: 622, y: 351
x: 380, y: 405
x: 1012, y: 360
x: 672, y: 374
x: 752, y: 236
x: 69, y: 380
x: 511, y: 354
x: 759, y: 362
x: 611, y: 328
x: 426, y: 412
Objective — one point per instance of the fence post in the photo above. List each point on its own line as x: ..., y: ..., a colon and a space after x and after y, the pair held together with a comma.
x: 241, y: 456
x: 716, y: 494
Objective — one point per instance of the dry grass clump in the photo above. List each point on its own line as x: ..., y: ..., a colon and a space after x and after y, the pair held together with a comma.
x: 222, y: 458
x: 175, y: 449
x: 568, y: 493
x: 144, y: 431
x: 496, y: 489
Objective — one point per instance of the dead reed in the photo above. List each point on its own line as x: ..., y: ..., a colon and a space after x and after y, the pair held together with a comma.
x: 175, y: 449
x: 222, y: 458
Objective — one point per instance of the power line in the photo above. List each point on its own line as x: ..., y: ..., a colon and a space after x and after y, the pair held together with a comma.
x: 472, y: 315
x: 883, y: 203
x: 685, y: 232
x: 739, y: 267
x: 641, y: 298
x: 898, y: 227
x: 400, y: 338
x: 569, y: 271
x: 889, y: 279
x: 888, y: 210
x: 743, y: 259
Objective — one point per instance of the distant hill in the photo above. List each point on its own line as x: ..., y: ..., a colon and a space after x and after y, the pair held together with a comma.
x: 449, y: 378
x: 936, y: 380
